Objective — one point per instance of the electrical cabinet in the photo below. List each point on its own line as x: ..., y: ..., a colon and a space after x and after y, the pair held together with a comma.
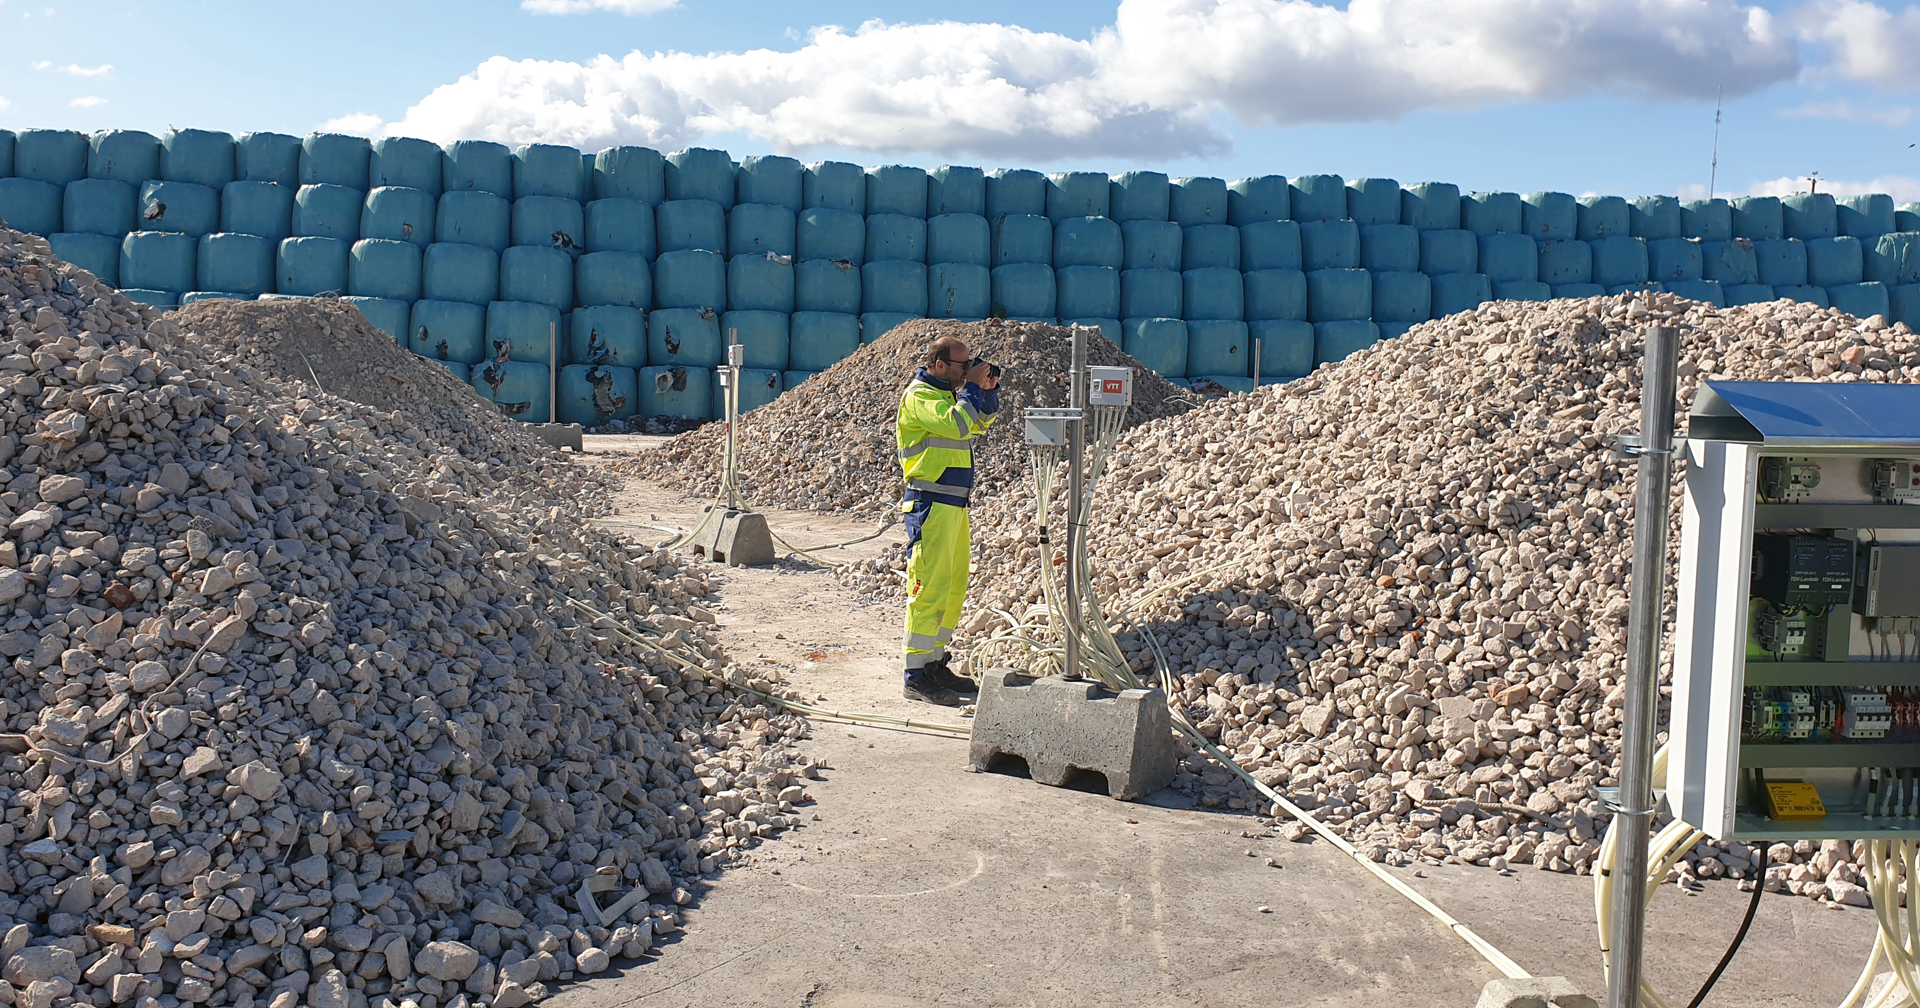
x: 1796, y: 658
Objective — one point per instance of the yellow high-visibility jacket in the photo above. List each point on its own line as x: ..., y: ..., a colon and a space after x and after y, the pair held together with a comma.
x: 934, y: 433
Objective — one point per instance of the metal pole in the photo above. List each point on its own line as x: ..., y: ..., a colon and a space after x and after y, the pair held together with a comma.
x: 1256, y: 363
x: 1076, y: 492
x: 1650, y: 514
x: 730, y: 408
x: 553, y: 372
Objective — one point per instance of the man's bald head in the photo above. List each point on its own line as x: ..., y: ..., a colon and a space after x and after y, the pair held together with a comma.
x: 946, y: 348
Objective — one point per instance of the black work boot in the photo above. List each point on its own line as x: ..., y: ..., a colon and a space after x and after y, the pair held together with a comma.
x: 953, y: 680
x: 927, y: 687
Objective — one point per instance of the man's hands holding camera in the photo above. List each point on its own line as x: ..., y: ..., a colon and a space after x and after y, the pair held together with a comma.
x: 983, y: 374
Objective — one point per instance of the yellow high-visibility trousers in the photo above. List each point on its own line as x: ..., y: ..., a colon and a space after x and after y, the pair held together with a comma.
x: 936, y: 580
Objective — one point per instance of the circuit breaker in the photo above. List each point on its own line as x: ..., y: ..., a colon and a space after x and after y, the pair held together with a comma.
x: 1796, y: 675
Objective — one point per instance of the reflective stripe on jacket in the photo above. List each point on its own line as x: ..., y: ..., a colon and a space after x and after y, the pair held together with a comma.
x: 934, y: 433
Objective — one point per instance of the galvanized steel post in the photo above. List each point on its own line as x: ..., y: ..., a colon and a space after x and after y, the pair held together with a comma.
x: 553, y: 372
x: 1076, y: 493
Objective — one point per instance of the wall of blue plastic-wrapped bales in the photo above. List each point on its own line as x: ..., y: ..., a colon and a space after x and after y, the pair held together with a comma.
x: 1151, y: 293
x: 1217, y: 347
x: 763, y: 334
x: 1076, y: 194
x: 769, y: 180
x: 1087, y: 292
x: 690, y: 278
x: 953, y: 189
x: 519, y: 388
x: 688, y: 337
x: 405, y: 163
x: 896, y: 190
x: 620, y: 224
x: 237, y: 263
x: 819, y: 340
x: 608, y: 334
x: 96, y: 253
x: 593, y: 394
x: 1198, y: 200
x: 1283, y: 347
x: 958, y: 291
x: 448, y: 331
x: 399, y: 213
x: 700, y: 173
x: 827, y: 285
x: 894, y: 286
x: 830, y: 233
x: 1373, y: 201
x: 99, y: 206
x: 613, y: 278
x: 1205, y: 246
x: 1093, y: 241
x: 1329, y: 244
x: 55, y: 157
x: 959, y: 238
x: 760, y: 228
x: 1149, y: 244
x: 834, y: 185
x: 192, y: 209
x: 1275, y: 294
x: 1601, y: 216
x: 389, y: 315
x: 539, y: 274
x: 636, y: 173
x: 1389, y: 247
x: 760, y: 283
x: 555, y: 222
x: 153, y: 260
x: 896, y: 236
x: 522, y: 331
x: 676, y: 391
x: 129, y: 156
x: 1138, y: 196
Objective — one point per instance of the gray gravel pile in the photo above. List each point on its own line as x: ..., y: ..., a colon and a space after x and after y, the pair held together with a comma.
x: 301, y: 707
x: 828, y: 445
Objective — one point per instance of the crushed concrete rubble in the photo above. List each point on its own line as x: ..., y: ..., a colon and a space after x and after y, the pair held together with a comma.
x: 1414, y: 565
x: 303, y: 709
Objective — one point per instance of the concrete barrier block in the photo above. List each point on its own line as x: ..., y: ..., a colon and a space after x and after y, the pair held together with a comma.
x: 735, y: 538
x: 558, y: 435
x: 1061, y: 727
x: 1533, y: 992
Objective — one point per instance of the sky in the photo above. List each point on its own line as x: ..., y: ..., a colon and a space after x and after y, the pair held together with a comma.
x: 1581, y: 96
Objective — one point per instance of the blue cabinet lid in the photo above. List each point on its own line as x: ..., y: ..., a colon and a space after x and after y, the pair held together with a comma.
x: 1808, y: 414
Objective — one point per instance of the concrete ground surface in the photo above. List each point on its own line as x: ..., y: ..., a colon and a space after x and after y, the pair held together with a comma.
x: 916, y: 883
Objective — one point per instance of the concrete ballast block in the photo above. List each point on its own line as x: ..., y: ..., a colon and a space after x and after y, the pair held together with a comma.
x: 736, y: 538
x: 1063, y: 725
x: 1533, y: 992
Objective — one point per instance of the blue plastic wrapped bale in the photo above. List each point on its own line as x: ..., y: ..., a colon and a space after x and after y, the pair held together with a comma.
x: 1390, y: 247
x: 1217, y: 347
x: 1020, y: 192
x: 1729, y: 262
x: 6, y: 153
x: 1895, y: 259
x: 620, y: 224
x: 237, y: 263
x: 518, y: 389
x: 98, y: 206
x: 824, y: 233
x: 621, y: 278
x: 55, y: 157
x: 1318, y: 197
x: 690, y: 224
x: 874, y: 325
x: 1373, y: 201
x: 1275, y: 294
x: 1781, y: 262
x: 1025, y: 290
x: 959, y: 238
x: 557, y: 223
x: 895, y: 285
x: 1739, y: 294
x: 1141, y: 196
x: 522, y: 331
x: 1708, y: 291
x: 1758, y: 218
x: 687, y: 337
x: 554, y: 171
x: 98, y: 254
x: 1449, y: 251
x: 955, y: 189
x: 1285, y: 347
x: 308, y: 266
x: 700, y: 173
x: 1578, y: 290
x: 191, y: 297
x: 1807, y: 216
x: 827, y: 285
x: 760, y: 283
x: 1491, y: 213
x: 1509, y: 256
x: 1601, y: 216
x: 192, y: 209
x: 1706, y: 220
x: 1334, y: 294
x: 474, y: 218
x: 383, y: 268
x: 1905, y: 304
x: 458, y: 272
x: 1336, y: 341
x: 1087, y: 292
x: 896, y: 189
x: 320, y: 210
x: 1216, y: 385
x: 676, y: 391
x: 1550, y: 215
x: 593, y: 394
x: 962, y: 291
x: 1654, y: 217
x: 152, y: 298
x: 1802, y: 292
x: 1907, y: 217
x: 764, y: 334
x: 267, y: 157
x: 759, y: 228
x: 1670, y: 259
x: 1392, y: 330
x: 155, y: 260
x: 635, y: 173
x: 335, y: 159
x: 257, y: 208
x: 1206, y: 246
x: 1097, y: 241
x: 1643, y: 287
x: 1522, y: 290
x: 1402, y: 296
x: 1151, y: 293
x: 1861, y: 300
x: 1022, y: 238
x: 1075, y: 194
x: 397, y: 213
x: 405, y: 163
x: 1266, y: 245
x: 1565, y: 261
x: 1199, y: 200
x: 1832, y: 262
x: 615, y: 335
x: 896, y: 236
x: 1868, y: 215
x: 1459, y: 292
x: 1618, y: 259
x: 1156, y: 244
x: 1431, y: 206
x: 1215, y: 293
x: 819, y: 340
x: 389, y: 315
x: 1158, y: 343
x: 203, y: 157
x: 1329, y: 244
x: 130, y: 156
x: 539, y: 275
x: 769, y: 180
x: 758, y: 387
x: 834, y: 185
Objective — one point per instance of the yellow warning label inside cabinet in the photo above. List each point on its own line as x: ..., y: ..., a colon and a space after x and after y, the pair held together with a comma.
x: 1794, y: 800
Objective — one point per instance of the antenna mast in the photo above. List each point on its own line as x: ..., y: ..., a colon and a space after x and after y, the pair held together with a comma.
x: 1713, y: 173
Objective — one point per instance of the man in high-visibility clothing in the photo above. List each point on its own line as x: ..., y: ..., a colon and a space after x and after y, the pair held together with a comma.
x: 951, y: 399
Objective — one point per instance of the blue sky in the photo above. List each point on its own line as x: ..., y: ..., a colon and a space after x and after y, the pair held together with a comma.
x: 1610, y: 96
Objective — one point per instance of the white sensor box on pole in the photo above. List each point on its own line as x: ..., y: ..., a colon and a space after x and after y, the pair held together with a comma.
x: 1047, y: 428
x: 1109, y: 386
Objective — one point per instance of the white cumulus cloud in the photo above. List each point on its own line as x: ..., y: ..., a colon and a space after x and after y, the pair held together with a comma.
x: 358, y: 124
x: 4, y: 103
x: 586, y: 6
x: 1864, y: 41
x: 1846, y: 111
x: 79, y: 71
x: 89, y: 101
x: 1902, y: 188
x: 1152, y: 86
